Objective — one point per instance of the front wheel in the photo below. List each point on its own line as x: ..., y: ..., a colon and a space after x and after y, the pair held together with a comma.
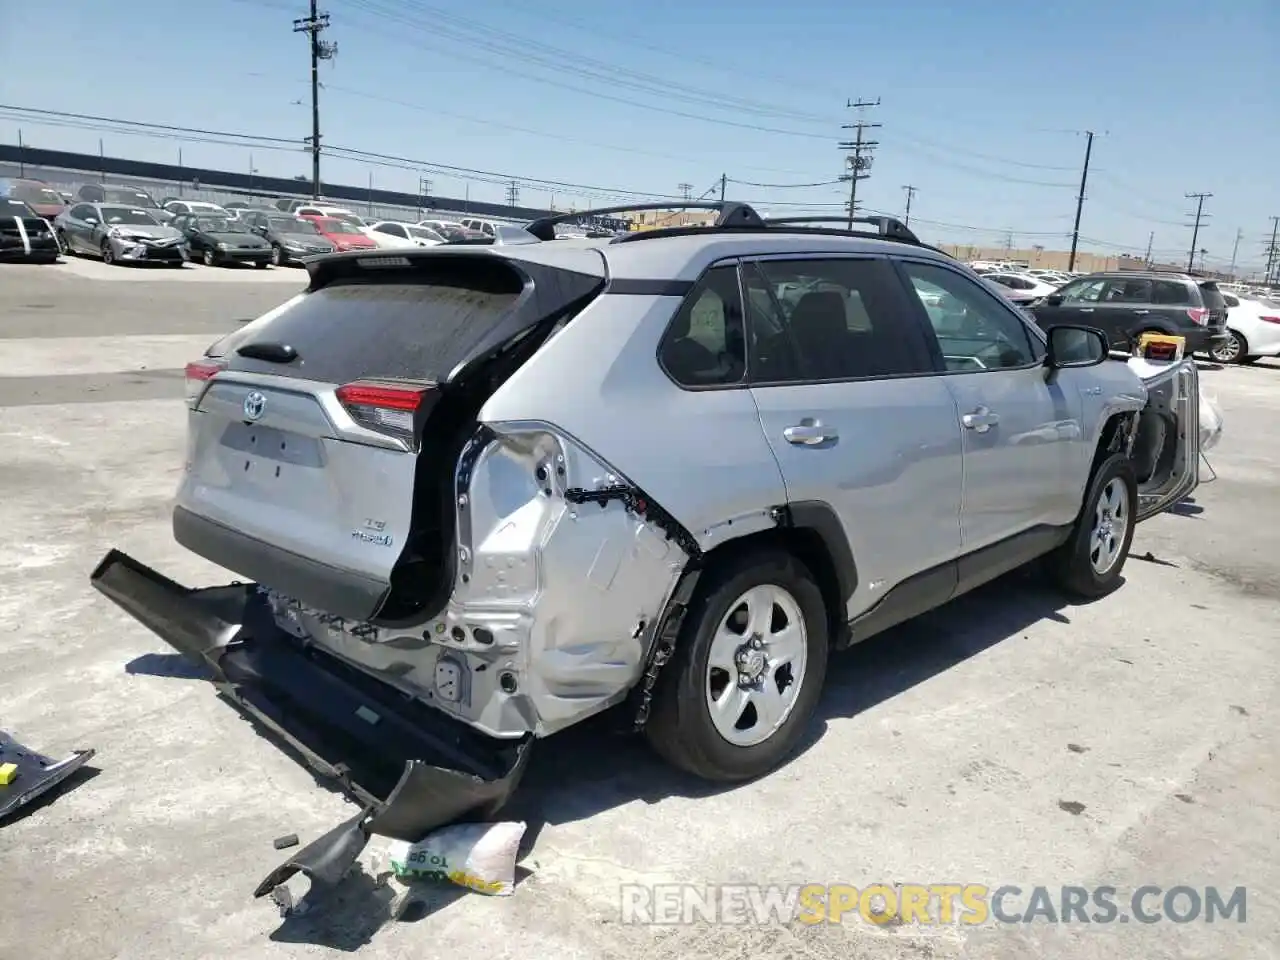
x: 277, y: 256
x: 1088, y: 565
x: 208, y: 258
x: 108, y: 254
x: 1234, y: 349
x: 747, y: 672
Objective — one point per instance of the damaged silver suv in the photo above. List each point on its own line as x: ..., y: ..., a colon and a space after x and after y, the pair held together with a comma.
x: 485, y: 492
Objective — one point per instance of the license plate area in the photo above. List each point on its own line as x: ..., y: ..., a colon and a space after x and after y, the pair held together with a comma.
x: 271, y: 446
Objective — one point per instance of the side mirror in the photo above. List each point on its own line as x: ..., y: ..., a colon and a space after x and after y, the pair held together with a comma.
x: 1054, y: 299
x: 1076, y: 347
x: 90, y: 219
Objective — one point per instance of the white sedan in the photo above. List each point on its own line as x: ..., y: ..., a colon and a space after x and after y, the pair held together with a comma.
x: 1020, y: 287
x: 393, y: 235
x: 1254, y: 328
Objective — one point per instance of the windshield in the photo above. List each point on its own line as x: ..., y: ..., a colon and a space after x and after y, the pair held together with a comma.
x: 334, y: 225
x: 34, y: 194
x: 128, y: 215
x: 290, y: 225
x: 135, y: 198
x: 10, y: 207
x: 220, y: 225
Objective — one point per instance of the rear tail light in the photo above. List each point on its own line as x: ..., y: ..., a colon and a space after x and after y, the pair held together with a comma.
x: 198, y: 373
x: 389, y: 408
x: 1269, y: 319
x: 1198, y: 315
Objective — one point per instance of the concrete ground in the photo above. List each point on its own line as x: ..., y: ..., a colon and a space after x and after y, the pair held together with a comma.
x: 1006, y: 739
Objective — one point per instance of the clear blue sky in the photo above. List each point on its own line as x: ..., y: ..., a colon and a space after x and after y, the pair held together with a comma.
x: 982, y: 108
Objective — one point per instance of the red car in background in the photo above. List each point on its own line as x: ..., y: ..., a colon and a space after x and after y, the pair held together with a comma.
x: 38, y: 195
x: 341, y: 234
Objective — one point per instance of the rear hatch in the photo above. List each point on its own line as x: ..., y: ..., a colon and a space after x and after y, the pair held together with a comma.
x: 312, y: 428
x: 1215, y: 304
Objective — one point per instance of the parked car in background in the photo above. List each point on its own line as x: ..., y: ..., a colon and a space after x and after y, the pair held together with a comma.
x: 122, y: 196
x: 1021, y: 288
x: 238, y: 208
x: 38, y: 195
x: 343, y: 234
x: 453, y: 233
x: 442, y: 227
x: 391, y: 234
x: 1125, y: 305
x: 24, y: 234
x: 292, y: 239
x: 487, y: 227
x: 1253, y: 330
x: 221, y: 240
x: 119, y: 234
x: 336, y: 213
x: 178, y: 207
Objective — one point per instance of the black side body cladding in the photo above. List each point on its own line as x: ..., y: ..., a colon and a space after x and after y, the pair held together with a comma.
x: 819, y: 517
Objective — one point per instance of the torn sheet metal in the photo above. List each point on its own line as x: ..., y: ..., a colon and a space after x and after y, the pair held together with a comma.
x: 34, y: 774
x: 411, y: 768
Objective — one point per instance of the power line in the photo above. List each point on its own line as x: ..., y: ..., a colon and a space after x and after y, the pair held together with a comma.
x: 1195, y: 233
x: 860, y: 150
x: 787, y: 186
x: 313, y: 26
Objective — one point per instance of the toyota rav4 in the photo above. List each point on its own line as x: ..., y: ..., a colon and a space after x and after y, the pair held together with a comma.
x: 481, y: 493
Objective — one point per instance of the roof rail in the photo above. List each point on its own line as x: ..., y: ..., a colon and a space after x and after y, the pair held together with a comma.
x: 732, y: 214
x: 888, y: 227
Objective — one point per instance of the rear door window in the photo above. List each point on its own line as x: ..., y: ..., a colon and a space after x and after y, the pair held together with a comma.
x: 1171, y: 293
x: 399, y: 329
x: 1128, y: 291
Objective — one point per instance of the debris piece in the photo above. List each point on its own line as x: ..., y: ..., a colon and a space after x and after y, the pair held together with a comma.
x: 478, y: 856
x: 32, y: 774
x: 288, y: 840
x: 1076, y: 748
x: 1073, y: 807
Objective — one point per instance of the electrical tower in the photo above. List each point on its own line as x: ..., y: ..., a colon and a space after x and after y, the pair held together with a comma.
x: 513, y: 194
x: 1235, y: 250
x: 686, y: 191
x: 1151, y: 239
x: 313, y: 26
x: 911, y: 192
x: 1273, y: 252
x: 1195, y: 230
x: 859, y: 151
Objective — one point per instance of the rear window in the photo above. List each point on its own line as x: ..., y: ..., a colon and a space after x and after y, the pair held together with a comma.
x: 397, y: 328
x: 1212, y: 296
x: 1171, y: 293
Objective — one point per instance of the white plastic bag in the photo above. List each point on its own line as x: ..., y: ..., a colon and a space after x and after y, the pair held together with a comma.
x: 1210, y: 422
x: 478, y: 856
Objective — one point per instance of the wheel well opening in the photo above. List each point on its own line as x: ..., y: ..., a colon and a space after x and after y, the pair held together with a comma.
x: 807, y: 546
x: 1110, y: 439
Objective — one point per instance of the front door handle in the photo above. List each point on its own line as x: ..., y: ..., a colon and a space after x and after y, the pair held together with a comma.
x: 809, y: 433
x: 980, y: 421
x: 1141, y: 312
x: 1086, y: 309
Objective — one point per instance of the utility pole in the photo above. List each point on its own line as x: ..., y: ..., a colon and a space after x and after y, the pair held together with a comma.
x: 1151, y: 239
x: 686, y: 191
x: 724, y: 179
x: 1084, y: 180
x: 513, y: 193
x: 1234, y: 250
x: 859, y: 152
x: 1273, y: 252
x: 1195, y: 232
x: 313, y: 26
x: 22, y: 156
x: 911, y: 192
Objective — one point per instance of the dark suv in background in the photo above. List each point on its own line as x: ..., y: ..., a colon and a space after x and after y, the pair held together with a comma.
x: 1125, y: 305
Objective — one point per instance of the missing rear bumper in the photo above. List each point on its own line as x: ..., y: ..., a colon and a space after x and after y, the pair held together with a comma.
x: 410, y: 768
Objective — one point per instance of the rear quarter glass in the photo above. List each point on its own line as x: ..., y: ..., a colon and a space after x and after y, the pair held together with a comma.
x: 395, y: 329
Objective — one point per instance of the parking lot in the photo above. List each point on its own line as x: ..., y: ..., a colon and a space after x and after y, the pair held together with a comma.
x: 1008, y: 738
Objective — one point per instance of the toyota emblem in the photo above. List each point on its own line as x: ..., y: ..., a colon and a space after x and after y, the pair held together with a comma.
x: 254, y: 404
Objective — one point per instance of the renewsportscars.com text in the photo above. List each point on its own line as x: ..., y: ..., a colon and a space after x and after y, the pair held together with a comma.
x: 928, y: 904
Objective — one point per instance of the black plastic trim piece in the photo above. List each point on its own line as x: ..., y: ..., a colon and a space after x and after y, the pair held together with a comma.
x: 641, y: 504
x: 36, y: 774
x: 822, y: 519
x: 650, y: 288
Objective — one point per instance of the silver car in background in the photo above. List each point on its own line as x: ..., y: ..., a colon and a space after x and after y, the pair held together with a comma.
x: 118, y: 234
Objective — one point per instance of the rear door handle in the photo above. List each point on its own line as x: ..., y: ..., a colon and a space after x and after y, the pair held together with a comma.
x: 1141, y: 312
x: 980, y: 421
x: 1086, y: 309
x: 809, y: 434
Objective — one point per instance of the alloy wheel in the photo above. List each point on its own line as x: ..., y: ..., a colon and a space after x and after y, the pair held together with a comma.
x: 1110, y: 522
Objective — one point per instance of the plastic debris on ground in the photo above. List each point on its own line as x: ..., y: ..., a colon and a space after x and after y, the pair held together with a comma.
x: 478, y: 856
x: 26, y: 775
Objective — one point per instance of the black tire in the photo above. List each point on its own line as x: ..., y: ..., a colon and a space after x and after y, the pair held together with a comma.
x: 680, y: 728
x: 277, y: 256
x: 1235, y: 349
x: 108, y: 255
x: 64, y: 245
x: 209, y: 258
x: 1071, y: 566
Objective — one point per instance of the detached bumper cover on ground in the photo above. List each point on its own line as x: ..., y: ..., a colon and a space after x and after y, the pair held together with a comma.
x: 411, y: 769
x: 35, y: 775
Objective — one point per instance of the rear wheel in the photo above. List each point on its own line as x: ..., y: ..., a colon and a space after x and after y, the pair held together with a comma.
x: 747, y: 671
x: 1234, y: 349
x: 277, y: 256
x: 1089, y: 564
